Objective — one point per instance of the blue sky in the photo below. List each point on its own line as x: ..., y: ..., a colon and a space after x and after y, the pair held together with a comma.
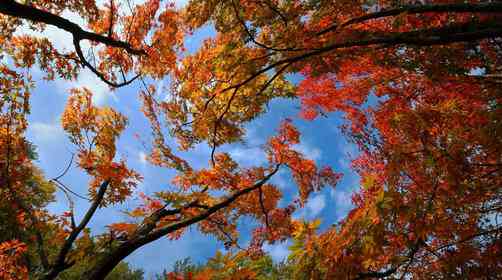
x: 321, y: 140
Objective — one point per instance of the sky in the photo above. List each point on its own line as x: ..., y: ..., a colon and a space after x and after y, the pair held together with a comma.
x: 321, y: 140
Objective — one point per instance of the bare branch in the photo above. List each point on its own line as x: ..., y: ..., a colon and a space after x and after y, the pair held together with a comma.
x: 253, y: 39
x: 262, y: 205
x: 101, y: 76
x: 65, y: 188
x: 466, y: 239
x: 112, y: 15
x: 231, y: 240
x: 66, y: 169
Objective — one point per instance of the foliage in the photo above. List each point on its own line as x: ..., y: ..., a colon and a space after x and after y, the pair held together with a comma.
x: 231, y: 266
x: 418, y: 84
x: 121, y: 272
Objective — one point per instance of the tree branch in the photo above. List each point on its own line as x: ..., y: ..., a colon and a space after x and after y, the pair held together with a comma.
x: 12, y: 8
x: 60, y: 263
x: 377, y: 274
x: 425, y: 37
x: 468, y: 238
x: 150, y: 222
x: 252, y: 37
x: 494, y: 7
x: 262, y: 205
x: 108, y: 260
x: 211, y: 210
x: 101, y: 76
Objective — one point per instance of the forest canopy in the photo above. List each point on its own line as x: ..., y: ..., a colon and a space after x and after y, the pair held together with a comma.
x: 414, y: 85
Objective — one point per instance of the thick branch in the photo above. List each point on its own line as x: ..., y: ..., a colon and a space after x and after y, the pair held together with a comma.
x: 12, y: 8
x: 377, y: 274
x: 109, y: 260
x: 495, y: 7
x: 150, y: 222
x: 263, y: 209
x: 18, y: 10
x: 60, y: 263
x: 426, y: 37
x: 211, y: 210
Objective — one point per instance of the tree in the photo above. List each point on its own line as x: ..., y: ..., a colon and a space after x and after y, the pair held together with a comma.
x: 231, y: 266
x: 121, y: 272
x: 430, y: 145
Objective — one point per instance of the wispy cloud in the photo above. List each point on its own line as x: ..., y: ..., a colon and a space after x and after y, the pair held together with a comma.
x: 343, y: 203
x: 315, y: 205
x: 279, y: 179
x: 278, y: 251
x: 142, y: 158
x: 180, y: 3
x: 101, y: 92
x: 309, y: 151
x: 46, y: 132
x: 248, y: 156
x: 348, y: 152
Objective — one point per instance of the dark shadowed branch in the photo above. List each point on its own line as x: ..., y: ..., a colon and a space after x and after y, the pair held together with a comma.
x: 60, y: 263
x: 12, y: 8
x: 108, y: 260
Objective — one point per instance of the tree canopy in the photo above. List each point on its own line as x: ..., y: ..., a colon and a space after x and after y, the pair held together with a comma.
x: 417, y: 83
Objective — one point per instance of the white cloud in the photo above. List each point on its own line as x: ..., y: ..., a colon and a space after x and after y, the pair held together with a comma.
x: 180, y: 3
x: 46, y: 132
x: 279, y: 180
x: 315, y: 205
x: 278, y: 251
x: 348, y: 151
x: 253, y: 135
x: 309, y: 151
x: 101, y: 92
x: 142, y: 157
x: 343, y: 202
x: 253, y: 156
x: 61, y: 40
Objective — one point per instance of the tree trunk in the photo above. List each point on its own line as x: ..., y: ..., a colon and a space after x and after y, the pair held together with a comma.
x: 107, y: 261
